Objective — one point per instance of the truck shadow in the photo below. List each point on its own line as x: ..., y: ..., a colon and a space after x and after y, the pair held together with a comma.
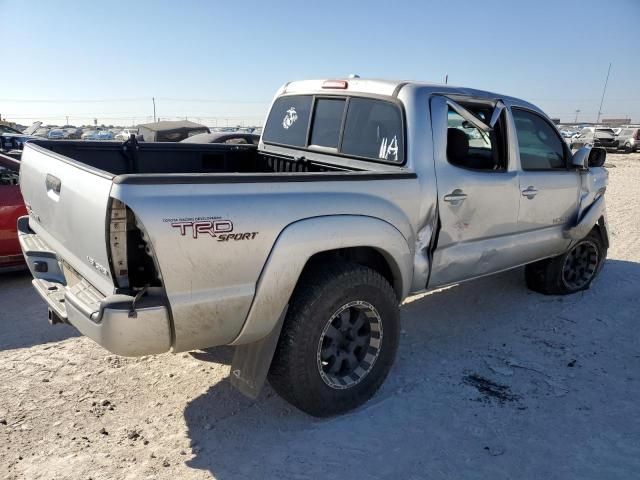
x: 222, y: 354
x: 423, y: 418
x: 23, y: 314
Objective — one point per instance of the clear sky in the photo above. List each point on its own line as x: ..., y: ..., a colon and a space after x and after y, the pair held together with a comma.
x: 220, y: 62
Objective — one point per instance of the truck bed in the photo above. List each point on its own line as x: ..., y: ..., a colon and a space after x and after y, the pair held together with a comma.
x: 178, y: 158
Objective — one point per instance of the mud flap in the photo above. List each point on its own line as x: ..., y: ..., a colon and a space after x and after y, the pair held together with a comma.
x: 251, y: 362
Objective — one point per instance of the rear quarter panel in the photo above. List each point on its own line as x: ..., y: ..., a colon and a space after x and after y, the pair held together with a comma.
x: 211, y: 280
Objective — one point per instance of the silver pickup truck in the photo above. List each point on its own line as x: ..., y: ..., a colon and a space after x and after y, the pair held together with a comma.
x: 300, y: 250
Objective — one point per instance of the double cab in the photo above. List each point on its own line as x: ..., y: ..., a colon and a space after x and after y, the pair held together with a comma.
x: 299, y: 251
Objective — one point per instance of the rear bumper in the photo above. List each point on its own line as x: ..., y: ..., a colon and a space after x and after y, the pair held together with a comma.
x: 117, y: 322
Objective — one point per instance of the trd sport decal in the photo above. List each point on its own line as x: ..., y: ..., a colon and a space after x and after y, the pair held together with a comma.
x: 209, y: 226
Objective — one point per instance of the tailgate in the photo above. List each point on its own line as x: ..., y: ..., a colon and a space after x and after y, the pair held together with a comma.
x: 67, y: 203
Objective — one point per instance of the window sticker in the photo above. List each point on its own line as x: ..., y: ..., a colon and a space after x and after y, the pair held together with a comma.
x: 290, y: 118
x: 389, y: 148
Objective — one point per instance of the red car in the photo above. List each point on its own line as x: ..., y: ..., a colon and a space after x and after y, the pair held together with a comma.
x: 11, y: 207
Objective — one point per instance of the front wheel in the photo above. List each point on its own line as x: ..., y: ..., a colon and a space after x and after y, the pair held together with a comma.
x: 338, y: 341
x: 571, y: 272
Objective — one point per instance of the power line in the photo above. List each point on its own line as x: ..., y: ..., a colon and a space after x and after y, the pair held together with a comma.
x: 141, y: 99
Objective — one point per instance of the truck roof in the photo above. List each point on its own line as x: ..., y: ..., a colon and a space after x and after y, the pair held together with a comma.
x: 374, y: 86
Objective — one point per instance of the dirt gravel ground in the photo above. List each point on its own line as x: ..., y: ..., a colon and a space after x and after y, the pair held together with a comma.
x: 491, y: 381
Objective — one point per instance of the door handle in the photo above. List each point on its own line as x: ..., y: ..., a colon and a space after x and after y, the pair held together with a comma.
x: 529, y: 192
x: 456, y: 197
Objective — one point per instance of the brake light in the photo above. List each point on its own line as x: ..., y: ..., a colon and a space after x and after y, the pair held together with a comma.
x: 342, y: 84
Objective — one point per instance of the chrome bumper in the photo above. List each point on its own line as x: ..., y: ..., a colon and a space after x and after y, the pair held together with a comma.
x: 116, y: 322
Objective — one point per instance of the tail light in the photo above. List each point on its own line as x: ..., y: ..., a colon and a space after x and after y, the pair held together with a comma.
x: 133, y: 263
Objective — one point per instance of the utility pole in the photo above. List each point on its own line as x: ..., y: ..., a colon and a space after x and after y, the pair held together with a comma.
x: 446, y: 79
x: 576, y: 119
x: 603, y: 92
x: 153, y: 99
x: 67, y: 117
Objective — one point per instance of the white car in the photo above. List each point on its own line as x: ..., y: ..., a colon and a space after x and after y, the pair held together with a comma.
x: 126, y: 133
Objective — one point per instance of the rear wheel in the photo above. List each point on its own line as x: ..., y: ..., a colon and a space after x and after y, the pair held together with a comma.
x: 628, y: 148
x: 571, y: 272
x: 339, y: 339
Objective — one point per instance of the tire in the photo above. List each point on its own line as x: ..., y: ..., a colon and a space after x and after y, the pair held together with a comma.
x: 571, y: 272
x: 312, y: 369
x: 627, y: 148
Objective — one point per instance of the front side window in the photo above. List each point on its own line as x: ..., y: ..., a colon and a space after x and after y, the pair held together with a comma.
x: 540, y: 146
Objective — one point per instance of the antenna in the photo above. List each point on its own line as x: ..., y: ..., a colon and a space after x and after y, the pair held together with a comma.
x: 603, y: 92
x: 446, y: 79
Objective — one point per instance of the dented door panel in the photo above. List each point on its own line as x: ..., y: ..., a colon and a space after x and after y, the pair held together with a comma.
x: 478, y: 213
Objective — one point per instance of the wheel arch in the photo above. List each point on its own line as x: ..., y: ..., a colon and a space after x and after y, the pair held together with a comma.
x: 361, y: 239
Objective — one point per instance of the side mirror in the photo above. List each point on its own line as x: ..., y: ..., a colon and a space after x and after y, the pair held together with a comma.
x: 597, y: 157
x: 587, y: 157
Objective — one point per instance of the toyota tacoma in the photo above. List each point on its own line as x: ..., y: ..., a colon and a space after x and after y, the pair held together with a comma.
x: 299, y: 251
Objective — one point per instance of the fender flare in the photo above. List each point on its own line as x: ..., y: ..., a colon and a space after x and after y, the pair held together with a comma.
x: 301, y: 240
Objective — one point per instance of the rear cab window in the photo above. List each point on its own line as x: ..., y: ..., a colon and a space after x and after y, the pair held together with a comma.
x: 358, y: 127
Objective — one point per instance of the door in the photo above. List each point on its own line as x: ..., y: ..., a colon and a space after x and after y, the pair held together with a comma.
x: 478, y: 191
x: 549, y: 187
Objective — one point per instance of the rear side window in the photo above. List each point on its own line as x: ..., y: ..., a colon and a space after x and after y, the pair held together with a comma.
x: 373, y: 129
x: 288, y: 121
x: 540, y: 146
x: 353, y: 126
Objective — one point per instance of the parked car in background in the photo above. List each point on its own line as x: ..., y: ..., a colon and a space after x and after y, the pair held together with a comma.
x: 98, y: 135
x: 12, y: 140
x: 126, y: 133
x: 11, y: 207
x: 238, y: 138
x: 42, y: 132
x: 629, y: 139
x: 567, y: 133
x: 597, y: 137
x: 57, y: 134
x: 73, y: 133
x: 8, y: 129
x: 170, y: 131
